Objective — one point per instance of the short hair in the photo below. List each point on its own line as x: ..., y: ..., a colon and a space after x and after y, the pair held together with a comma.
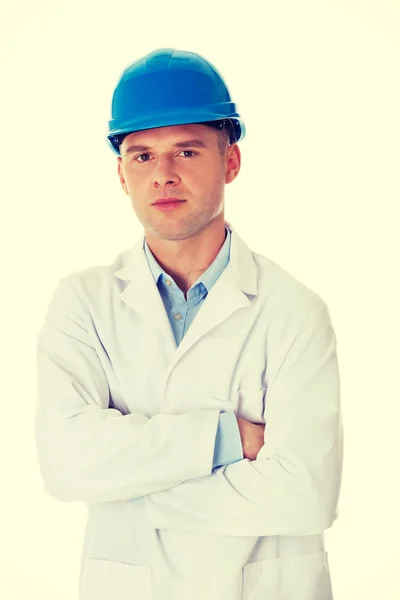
x: 225, y: 133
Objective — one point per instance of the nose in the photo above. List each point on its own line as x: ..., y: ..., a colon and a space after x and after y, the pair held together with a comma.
x: 165, y: 173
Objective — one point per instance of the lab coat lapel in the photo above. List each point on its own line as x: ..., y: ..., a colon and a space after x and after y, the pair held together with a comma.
x: 228, y: 294
x: 142, y: 295
x: 224, y: 298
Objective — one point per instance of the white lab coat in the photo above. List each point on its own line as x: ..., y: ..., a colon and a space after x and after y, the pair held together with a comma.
x: 123, y: 413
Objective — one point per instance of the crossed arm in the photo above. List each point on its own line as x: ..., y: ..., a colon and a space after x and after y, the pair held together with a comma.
x: 90, y: 452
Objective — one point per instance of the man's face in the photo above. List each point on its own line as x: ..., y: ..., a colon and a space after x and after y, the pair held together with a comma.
x: 158, y: 168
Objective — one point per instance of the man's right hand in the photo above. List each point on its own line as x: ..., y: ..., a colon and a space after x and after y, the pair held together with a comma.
x: 252, y: 436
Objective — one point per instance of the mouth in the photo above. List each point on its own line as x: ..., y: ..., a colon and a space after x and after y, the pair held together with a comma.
x: 169, y: 205
x: 168, y: 200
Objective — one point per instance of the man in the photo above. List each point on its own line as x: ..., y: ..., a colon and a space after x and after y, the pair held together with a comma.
x: 189, y: 391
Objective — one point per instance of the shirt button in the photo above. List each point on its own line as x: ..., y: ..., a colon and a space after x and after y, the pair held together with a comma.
x: 178, y: 316
x: 168, y: 282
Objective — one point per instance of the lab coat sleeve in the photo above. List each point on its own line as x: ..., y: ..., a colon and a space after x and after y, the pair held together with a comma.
x: 293, y: 486
x: 90, y: 452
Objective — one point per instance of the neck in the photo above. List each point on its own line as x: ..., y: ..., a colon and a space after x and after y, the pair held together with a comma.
x: 186, y: 259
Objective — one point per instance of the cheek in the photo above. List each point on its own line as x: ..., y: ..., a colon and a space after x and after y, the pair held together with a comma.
x: 135, y: 184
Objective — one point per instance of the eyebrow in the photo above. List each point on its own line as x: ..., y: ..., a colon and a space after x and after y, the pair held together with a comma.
x: 186, y: 144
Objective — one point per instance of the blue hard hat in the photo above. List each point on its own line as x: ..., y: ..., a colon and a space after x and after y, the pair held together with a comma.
x: 170, y: 87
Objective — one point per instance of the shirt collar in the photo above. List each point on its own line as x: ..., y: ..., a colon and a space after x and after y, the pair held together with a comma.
x: 208, y: 278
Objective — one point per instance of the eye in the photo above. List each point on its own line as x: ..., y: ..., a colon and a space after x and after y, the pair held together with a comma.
x: 142, y: 155
x: 147, y: 154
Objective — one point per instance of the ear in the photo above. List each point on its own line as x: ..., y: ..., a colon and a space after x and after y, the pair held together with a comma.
x: 121, y: 174
x: 233, y: 163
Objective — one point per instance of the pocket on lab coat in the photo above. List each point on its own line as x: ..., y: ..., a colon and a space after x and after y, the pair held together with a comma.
x: 304, y: 577
x: 106, y: 579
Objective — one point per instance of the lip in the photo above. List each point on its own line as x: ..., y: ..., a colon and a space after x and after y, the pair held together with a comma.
x: 165, y: 206
x: 168, y: 200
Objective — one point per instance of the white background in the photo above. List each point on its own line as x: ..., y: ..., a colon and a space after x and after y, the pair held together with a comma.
x: 317, y: 84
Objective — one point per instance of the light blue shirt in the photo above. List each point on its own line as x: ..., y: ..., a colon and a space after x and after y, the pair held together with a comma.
x: 181, y: 313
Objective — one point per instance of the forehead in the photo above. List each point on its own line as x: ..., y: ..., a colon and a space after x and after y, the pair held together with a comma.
x: 170, y: 132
